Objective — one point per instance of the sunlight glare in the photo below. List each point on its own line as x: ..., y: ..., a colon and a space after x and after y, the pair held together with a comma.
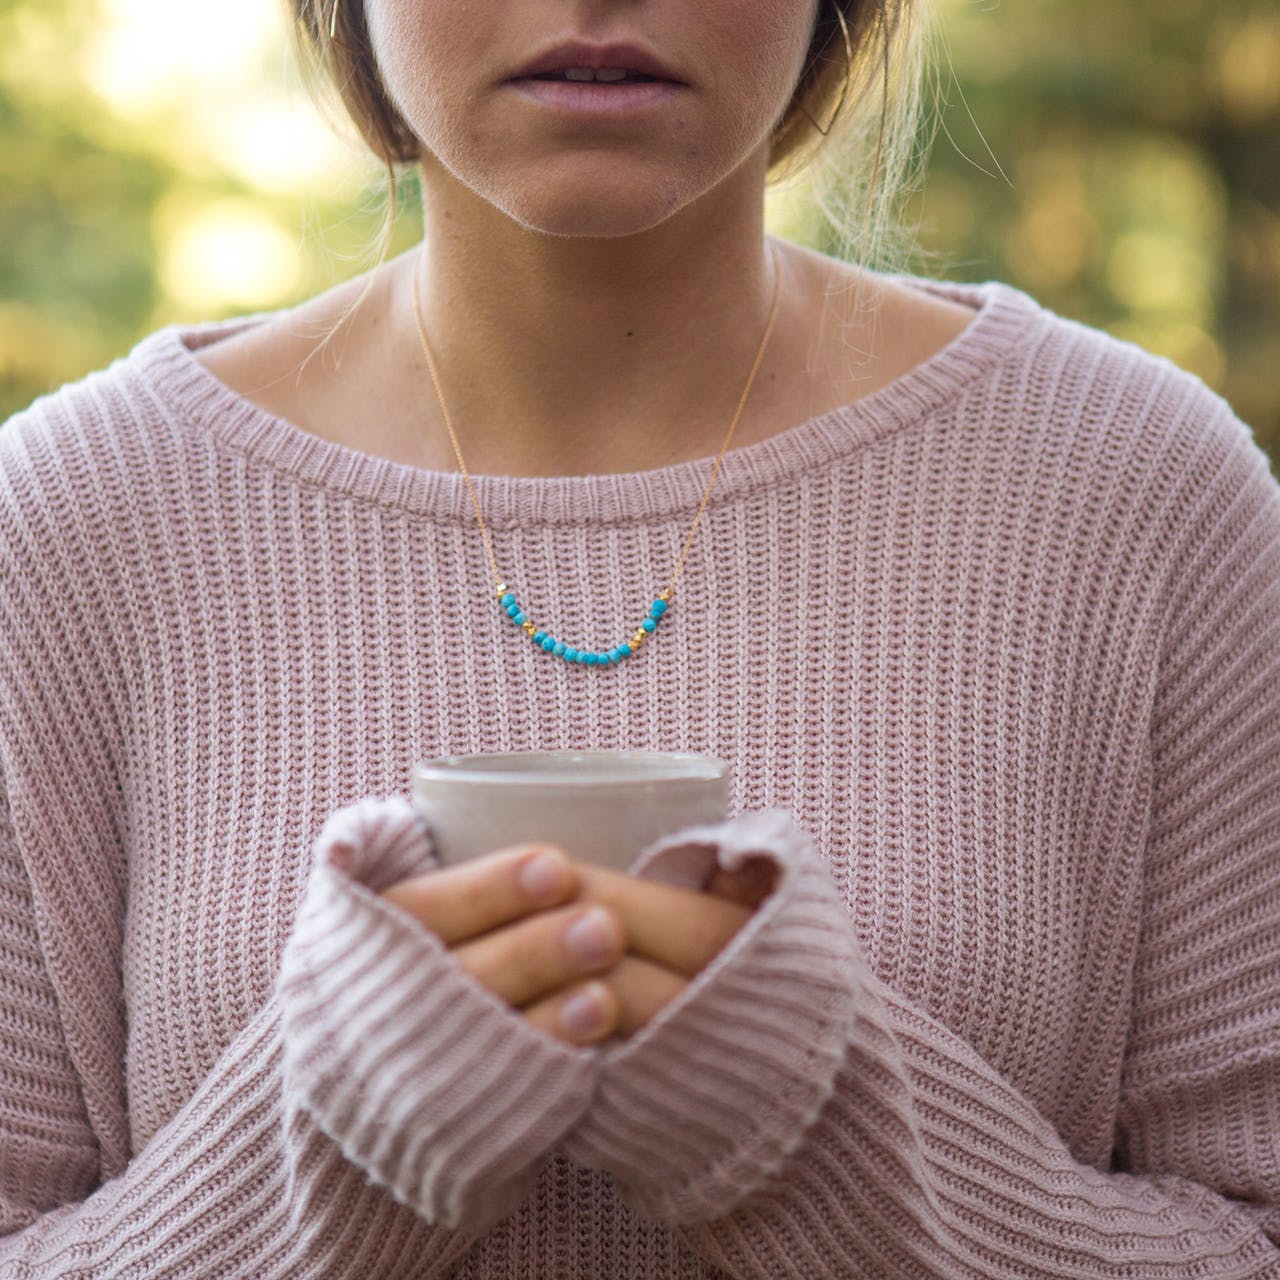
x: 226, y: 254
x: 150, y: 52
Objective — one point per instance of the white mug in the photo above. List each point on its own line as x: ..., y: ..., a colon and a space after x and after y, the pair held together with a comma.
x: 602, y: 807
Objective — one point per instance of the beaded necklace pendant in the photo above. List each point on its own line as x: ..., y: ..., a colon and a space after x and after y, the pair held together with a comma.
x: 582, y: 657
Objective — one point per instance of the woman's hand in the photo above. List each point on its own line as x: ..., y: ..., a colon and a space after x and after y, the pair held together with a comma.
x: 583, y: 952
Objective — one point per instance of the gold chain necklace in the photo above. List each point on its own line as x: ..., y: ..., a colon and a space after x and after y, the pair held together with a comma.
x: 506, y: 599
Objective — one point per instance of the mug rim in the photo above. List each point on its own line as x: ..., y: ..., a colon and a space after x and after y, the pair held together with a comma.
x: 461, y: 769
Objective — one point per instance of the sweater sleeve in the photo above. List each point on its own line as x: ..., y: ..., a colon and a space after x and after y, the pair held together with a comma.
x: 776, y: 1150
x: 377, y: 1066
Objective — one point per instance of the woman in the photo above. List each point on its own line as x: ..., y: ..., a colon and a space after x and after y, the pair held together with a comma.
x: 983, y: 606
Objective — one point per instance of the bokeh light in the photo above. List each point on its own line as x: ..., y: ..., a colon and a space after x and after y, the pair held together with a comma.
x: 225, y: 254
x: 149, y: 55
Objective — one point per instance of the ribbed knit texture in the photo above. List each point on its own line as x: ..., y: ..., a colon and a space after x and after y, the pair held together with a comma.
x: 995, y: 654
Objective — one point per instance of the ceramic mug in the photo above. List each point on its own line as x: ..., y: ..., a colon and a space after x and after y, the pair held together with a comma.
x: 602, y: 807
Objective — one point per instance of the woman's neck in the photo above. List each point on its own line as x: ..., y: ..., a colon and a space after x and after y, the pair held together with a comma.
x: 558, y: 355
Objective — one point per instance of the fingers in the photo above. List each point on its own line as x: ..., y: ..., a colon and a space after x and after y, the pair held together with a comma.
x: 617, y: 1004
x: 581, y: 1014
x: 679, y: 929
x: 583, y: 952
x: 642, y: 990
x: 528, y: 959
x: 461, y: 902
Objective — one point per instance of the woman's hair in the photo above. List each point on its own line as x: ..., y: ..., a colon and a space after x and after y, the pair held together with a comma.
x: 850, y: 127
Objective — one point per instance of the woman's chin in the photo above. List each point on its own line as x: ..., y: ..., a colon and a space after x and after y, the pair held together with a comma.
x: 589, y: 220
x: 575, y: 210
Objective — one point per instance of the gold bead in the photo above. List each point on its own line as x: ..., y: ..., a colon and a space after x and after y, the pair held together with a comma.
x: 638, y: 639
x: 529, y: 627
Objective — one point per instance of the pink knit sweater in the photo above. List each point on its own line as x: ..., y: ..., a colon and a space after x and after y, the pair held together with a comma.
x: 995, y: 653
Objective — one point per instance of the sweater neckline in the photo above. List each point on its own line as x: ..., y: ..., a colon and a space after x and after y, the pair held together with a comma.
x: 1003, y: 317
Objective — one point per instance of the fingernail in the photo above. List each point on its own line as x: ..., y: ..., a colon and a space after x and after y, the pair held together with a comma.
x: 543, y: 877
x: 583, y: 1014
x: 592, y: 937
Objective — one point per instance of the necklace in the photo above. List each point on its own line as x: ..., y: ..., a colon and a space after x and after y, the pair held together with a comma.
x: 506, y: 598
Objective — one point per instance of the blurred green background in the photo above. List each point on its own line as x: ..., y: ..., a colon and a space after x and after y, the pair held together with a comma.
x: 160, y: 161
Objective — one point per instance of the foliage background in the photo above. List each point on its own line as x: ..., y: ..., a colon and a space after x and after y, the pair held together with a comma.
x: 160, y: 161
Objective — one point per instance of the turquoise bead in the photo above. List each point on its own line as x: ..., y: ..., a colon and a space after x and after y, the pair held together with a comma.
x: 519, y: 618
x: 570, y: 653
x: 508, y: 599
x: 512, y: 609
x: 539, y: 637
x: 558, y: 649
x: 548, y: 643
x: 659, y: 608
x: 649, y: 624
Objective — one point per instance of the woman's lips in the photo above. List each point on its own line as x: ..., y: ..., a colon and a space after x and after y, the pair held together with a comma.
x: 595, y: 97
